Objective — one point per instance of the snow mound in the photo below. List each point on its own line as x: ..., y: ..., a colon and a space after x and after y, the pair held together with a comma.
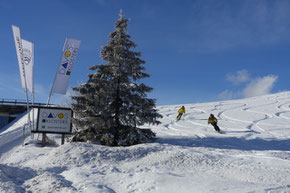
x: 11, y: 178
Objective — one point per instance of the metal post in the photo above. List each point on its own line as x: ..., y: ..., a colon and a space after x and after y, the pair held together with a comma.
x: 33, y: 99
x: 62, y: 139
x: 26, y: 93
x: 43, y: 142
x: 23, y: 133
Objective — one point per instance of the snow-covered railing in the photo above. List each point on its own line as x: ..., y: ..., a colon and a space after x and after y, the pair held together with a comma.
x: 18, y: 102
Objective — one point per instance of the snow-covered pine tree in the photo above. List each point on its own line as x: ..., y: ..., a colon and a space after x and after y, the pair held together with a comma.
x: 113, y: 103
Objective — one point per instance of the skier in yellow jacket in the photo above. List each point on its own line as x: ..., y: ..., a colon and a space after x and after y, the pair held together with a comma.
x: 181, y: 111
x: 213, y: 121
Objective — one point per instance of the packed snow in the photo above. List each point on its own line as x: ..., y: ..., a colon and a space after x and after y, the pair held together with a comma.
x: 251, y: 155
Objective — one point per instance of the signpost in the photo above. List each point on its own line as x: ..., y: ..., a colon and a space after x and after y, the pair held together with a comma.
x: 54, y: 120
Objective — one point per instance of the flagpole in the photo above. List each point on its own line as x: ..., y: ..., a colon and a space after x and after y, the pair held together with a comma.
x: 49, y: 96
x: 50, y: 93
x: 33, y: 94
x: 19, y: 50
x: 26, y: 93
x: 27, y: 100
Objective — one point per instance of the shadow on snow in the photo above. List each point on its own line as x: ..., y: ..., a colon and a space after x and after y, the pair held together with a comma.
x: 229, y: 143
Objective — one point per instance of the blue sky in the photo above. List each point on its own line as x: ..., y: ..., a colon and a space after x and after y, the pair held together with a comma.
x: 195, y: 50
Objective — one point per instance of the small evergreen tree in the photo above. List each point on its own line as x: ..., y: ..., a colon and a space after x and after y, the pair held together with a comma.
x: 113, y: 103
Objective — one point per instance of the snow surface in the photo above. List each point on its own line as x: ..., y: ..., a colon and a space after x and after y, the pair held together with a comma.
x: 252, y: 155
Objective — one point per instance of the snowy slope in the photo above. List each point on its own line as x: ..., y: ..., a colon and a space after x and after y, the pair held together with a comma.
x: 11, y: 134
x: 253, y: 155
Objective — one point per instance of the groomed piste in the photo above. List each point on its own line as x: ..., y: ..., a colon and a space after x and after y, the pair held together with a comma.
x: 251, y: 155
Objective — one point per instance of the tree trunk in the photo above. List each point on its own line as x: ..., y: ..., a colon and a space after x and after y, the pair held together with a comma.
x: 118, y: 104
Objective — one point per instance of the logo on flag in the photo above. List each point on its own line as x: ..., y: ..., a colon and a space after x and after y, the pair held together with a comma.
x: 64, y: 70
x: 67, y: 53
x: 27, y: 56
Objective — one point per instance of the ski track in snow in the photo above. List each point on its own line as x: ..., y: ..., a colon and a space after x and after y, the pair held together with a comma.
x: 253, y: 155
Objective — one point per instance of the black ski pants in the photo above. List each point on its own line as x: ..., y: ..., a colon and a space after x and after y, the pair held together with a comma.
x: 216, y: 127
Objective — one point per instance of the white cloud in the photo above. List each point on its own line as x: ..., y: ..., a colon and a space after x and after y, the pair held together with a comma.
x: 255, y: 87
x: 41, y: 93
x: 241, y: 76
x: 64, y: 100
x: 229, y: 94
x: 260, y: 86
x: 226, y: 95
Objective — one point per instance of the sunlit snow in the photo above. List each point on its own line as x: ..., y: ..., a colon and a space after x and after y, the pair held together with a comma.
x: 252, y: 155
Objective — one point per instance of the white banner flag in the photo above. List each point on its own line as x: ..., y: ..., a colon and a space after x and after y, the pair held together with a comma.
x: 28, y: 60
x: 19, y: 51
x: 70, y: 51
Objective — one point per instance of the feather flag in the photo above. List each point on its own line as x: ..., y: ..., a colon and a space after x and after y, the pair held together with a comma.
x: 28, y: 61
x: 25, y: 56
x: 69, y: 54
